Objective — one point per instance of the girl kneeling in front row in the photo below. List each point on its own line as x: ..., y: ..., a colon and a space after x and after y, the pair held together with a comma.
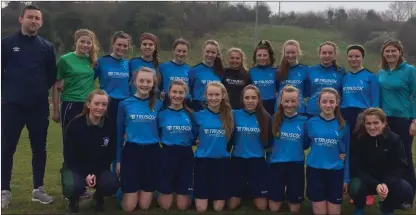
x: 212, y: 160
x: 177, y: 135
x: 90, y: 153
x: 248, y: 165
x: 138, y: 159
x: 327, y: 174
x: 287, y: 160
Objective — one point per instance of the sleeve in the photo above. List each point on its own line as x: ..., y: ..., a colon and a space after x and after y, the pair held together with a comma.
x: 346, y: 141
x: 73, y: 159
x: 412, y: 83
x: 191, y: 77
x: 398, y: 163
x: 307, y: 85
x: 51, y: 67
x: 120, y: 130
x: 97, y: 71
x: 357, y: 164
x: 375, y: 91
x: 4, y: 58
x: 307, y: 140
x: 61, y: 69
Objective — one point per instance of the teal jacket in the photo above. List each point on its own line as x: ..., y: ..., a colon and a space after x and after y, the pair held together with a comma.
x: 398, y: 91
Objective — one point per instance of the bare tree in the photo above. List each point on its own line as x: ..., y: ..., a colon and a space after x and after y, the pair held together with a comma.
x: 356, y: 14
x: 402, y: 11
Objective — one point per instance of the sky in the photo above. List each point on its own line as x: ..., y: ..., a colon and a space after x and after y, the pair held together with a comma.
x: 308, y: 5
x: 303, y: 6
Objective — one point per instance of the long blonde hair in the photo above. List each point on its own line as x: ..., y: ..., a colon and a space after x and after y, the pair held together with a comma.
x: 283, y: 68
x: 93, y: 55
x: 226, y: 113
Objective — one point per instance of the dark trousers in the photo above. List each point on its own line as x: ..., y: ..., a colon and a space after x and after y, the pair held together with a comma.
x: 73, y: 184
x: 13, y: 118
x: 350, y: 115
x: 401, y: 127
x: 399, y: 192
x: 112, y: 119
x: 69, y: 110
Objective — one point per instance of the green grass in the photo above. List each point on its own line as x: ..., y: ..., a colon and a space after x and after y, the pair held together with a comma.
x: 237, y: 37
x: 242, y: 37
x: 22, y: 184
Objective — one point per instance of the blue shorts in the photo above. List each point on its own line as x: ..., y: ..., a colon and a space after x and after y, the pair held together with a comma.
x: 325, y: 185
x: 290, y: 175
x: 176, y: 170
x: 211, y: 178
x: 139, y: 167
x: 248, y: 177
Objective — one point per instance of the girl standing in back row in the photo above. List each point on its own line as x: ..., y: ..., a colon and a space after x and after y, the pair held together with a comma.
x: 263, y: 74
x: 326, y: 74
x: 236, y: 76
x: 397, y: 88
x: 291, y: 72
x: 210, y: 70
x: 327, y: 171
x: 75, y: 79
x: 175, y: 69
x: 149, y: 58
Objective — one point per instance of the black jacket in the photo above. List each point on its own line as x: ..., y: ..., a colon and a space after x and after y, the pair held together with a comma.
x: 379, y: 159
x: 88, y: 148
x: 28, y: 69
x: 235, y: 81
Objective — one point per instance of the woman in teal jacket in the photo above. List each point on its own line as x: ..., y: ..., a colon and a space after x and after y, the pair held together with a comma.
x: 398, y: 98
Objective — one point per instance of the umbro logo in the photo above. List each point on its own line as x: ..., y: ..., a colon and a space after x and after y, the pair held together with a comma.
x: 16, y: 49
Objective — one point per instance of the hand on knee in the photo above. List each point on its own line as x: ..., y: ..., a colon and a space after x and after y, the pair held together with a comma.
x: 261, y: 204
x: 219, y: 205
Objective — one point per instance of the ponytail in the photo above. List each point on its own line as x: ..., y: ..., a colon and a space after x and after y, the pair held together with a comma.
x: 265, y: 44
x: 155, y: 59
x: 218, y: 67
x: 283, y: 70
x: 336, y: 65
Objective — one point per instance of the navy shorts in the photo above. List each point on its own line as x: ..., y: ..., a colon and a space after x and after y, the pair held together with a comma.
x: 211, y: 178
x: 176, y: 170
x: 290, y: 175
x: 248, y: 177
x: 139, y: 167
x: 325, y: 185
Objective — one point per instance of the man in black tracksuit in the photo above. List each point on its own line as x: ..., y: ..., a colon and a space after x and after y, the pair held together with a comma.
x: 379, y: 161
x: 28, y: 64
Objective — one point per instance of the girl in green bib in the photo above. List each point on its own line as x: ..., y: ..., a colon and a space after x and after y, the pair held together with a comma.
x: 75, y: 78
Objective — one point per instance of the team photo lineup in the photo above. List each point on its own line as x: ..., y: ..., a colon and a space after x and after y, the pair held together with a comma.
x: 276, y: 132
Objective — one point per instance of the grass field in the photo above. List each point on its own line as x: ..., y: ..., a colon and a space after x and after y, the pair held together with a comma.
x: 22, y: 184
x: 239, y: 37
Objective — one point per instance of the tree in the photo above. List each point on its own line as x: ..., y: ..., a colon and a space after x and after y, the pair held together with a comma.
x: 402, y: 10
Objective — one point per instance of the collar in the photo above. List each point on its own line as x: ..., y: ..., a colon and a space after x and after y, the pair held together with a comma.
x: 100, y: 124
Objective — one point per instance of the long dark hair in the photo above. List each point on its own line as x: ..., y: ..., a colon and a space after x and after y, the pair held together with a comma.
x: 264, y: 44
x: 337, y: 113
x: 359, y: 129
x: 261, y: 114
x: 218, y: 65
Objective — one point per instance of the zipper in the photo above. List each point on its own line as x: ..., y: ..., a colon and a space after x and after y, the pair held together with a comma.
x: 376, y: 144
